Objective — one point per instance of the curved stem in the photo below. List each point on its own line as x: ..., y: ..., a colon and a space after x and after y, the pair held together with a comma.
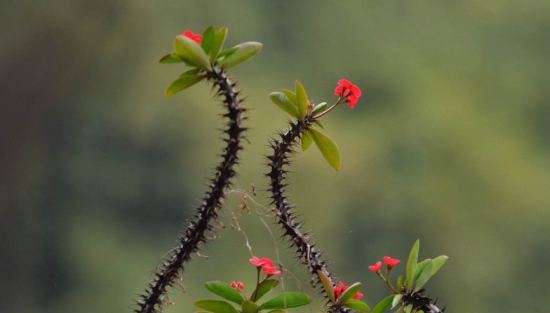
x: 329, y: 109
x: 302, y: 242
x: 194, y: 235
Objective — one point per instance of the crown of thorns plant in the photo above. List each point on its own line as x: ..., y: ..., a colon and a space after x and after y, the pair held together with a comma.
x: 207, y: 60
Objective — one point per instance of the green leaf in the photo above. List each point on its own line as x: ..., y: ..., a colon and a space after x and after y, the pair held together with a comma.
x: 408, y: 308
x: 319, y: 108
x: 277, y: 311
x: 217, y: 42
x: 263, y: 288
x: 249, y: 307
x: 357, y: 305
x: 419, y: 268
x: 328, y: 148
x: 244, y: 52
x: 318, y: 123
x: 225, y: 291
x: 216, y: 306
x: 227, y: 52
x: 291, y: 96
x: 301, y: 100
x: 183, y: 83
x: 401, y: 310
x: 306, y: 140
x: 430, y: 270
x: 411, y: 264
x: 207, y: 36
x: 284, y: 103
x: 349, y: 293
x: 327, y: 285
x: 287, y: 300
x: 190, y: 72
x: 399, y: 282
x: 383, y: 305
x: 396, y: 301
x: 171, y: 58
x: 190, y: 52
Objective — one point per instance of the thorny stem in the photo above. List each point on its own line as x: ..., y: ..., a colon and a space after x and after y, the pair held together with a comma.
x: 194, y: 235
x: 302, y: 242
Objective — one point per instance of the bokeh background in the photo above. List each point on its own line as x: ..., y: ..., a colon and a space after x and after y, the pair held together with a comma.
x: 449, y: 143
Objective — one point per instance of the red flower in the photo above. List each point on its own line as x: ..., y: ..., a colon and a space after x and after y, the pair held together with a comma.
x: 349, y: 91
x: 266, y: 265
x: 339, y: 290
x: 195, y: 37
x: 376, y: 267
x: 390, y: 262
x: 237, y: 286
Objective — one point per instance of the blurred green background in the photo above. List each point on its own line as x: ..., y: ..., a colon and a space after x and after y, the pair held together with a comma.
x: 449, y: 143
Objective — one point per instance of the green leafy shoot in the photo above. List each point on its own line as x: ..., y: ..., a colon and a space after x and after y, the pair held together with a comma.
x: 307, y: 140
x: 191, y: 53
x: 263, y: 288
x: 318, y: 123
x: 283, y: 102
x: 287, y: 300
x: 225, y: 291
x: 357, y: 305
x: 171, y: 58
x: 399, y: 282
x: 243, y: 53
x: 216, y: 306
x: 419, y: 268
x: 396, y: 300
x: 411, y: 264
x: 327, y: 285
x: 207, y: 36
x: 249, y: 307
x: 349, y: 293
x: 291, y: 96
x: 328, y: 148
x: 182, y: 83
x: 430, y: 269
x: 301, y: 100
x: 217, y: 42
x: 383, y: 305
x: 319, y: 108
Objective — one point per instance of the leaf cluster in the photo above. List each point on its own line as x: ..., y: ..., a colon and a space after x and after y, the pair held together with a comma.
x: 418, y: 274
x: 297, y: 105
x: 277, y: 304
x: 204, y: 57
x: 346, y: 298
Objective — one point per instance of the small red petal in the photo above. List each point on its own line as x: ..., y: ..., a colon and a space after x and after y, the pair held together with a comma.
x: 358, y: 295
x: 356, y: 91
x: 345, y: 83
x: 338, y: 90
x: 376, y: 267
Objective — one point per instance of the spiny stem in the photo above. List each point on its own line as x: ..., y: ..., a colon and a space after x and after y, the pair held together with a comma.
x: 194, y: 235
x: 282, y: 148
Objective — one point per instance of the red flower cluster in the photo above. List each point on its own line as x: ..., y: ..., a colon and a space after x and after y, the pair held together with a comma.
x: 266, y: 265
x: 349, y: 91
x: 390, y: 262
x: 376, y: 267
x: 339, y: 290
x: 237, y: 286
x: 195, y: 37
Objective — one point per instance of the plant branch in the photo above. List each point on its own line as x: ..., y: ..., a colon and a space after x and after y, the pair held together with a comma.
x: 302, y: 242
x: 194, y: 235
